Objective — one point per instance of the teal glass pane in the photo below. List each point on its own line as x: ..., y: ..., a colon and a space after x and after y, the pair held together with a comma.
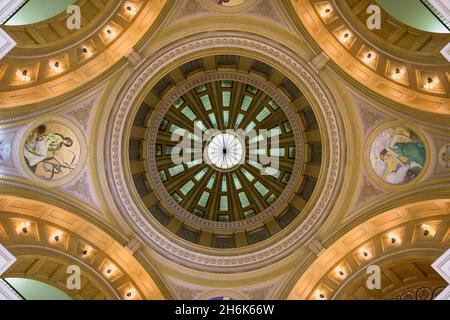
x: 176, y: 170
x: 239, y: 119
x: 256, y: 139
x: 247, y: 175
x: 206, y: 102
x: 237, y: 182
x: 187, y: 187
x: 223, y: 205
x: 280, y: 152
x: 201, y: 125
x: 203, y: 201
x: 263, y: 114
x: 252, y: 89
x: 194, y: 163
x: 243, y: 199
x: 276, y: 131
x: 224, y: 184
x: 187, y: 111
x: 272, y: 172
x: 250, y: 126
x: 226, y: 118
x: 211, y: 182
x: 226, y: 99
x: 262, y: 190
x: 213, y: 119
x: 199, y: 176
x: 246, y: 102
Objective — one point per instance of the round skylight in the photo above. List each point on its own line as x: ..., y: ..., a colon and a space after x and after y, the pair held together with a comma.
x: 225, y: 151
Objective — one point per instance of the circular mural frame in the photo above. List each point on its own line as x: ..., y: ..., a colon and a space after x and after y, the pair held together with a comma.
x: 248, y: 44
x: 377, y: 133
x: 78, y: 139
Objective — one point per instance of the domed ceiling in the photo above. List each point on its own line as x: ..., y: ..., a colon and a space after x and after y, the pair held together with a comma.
x: 236, y: 154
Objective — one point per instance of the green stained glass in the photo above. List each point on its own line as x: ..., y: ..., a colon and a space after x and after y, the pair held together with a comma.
x: 163, y: 125
x: 199, y: 176
x: 270, y: 200
x: 246, y: 102
x: 273, y: 104
x: 224, y: 184
x: 291, y: 153
x: 263, y: 114
x: 203, y: 201
x: 187, y: 111
x: 261, y: 188
x: 237, y: 183
x: 226, y: 84
x: 187, y: 187
x: 176, y: 170
x: 287, y: 126
x: 239, y: 119
x: 201, y: 88
x: 252, y: 89
x: 223, y: 205
x: 224, y: 218
x: 163, y: 176
x: 178, y: 103
x: 211, y: 182
x: 244, y: 200
x: 286, y: 177
x: 249, y: 213
x: 226, y: 99
x: 198, y: 213
x: 247, y: 175
x: 206, y: 102
x: 158, y: 150
x: 177, y: 197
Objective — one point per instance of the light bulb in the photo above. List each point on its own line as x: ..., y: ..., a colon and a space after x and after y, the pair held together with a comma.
x: 110, y: 270
x: 320, y: 295
x: 87, y: 52
x: 340, y: 272
x: 24, y: 76
x: 131, y: 293
x: 86, y: 250
x: 344, y: 37
x: 426, y: 229
x: 368, y: 58
x: 111, y: 34
x: 325, y: 11
x: 429, y: 85
x: 57, y: 235
x: 24, y: 226
x: 57, y: 67
x: 364, y: 252
x: 393, y: 238
x: 131, y: 9
x: 396, y: 75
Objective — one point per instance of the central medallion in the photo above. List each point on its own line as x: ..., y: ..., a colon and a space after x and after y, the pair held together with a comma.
x: 225, y: 151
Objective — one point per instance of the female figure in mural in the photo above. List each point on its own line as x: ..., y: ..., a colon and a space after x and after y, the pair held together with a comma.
x: 42, y: 147
x: 404, y: 150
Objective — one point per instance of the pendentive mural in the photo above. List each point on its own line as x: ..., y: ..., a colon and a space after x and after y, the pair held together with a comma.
x: 51, y: 151
x: 397, y: 155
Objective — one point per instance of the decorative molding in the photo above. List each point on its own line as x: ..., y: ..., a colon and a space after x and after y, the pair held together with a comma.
x: 442, y: 266
x: 6, y: 259
x: 6, y: 9
x: 6, y: 43
x: 8, y: 293
x: 257, y: 45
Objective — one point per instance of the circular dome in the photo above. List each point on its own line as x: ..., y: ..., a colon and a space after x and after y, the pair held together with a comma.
x: 225, y: 151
